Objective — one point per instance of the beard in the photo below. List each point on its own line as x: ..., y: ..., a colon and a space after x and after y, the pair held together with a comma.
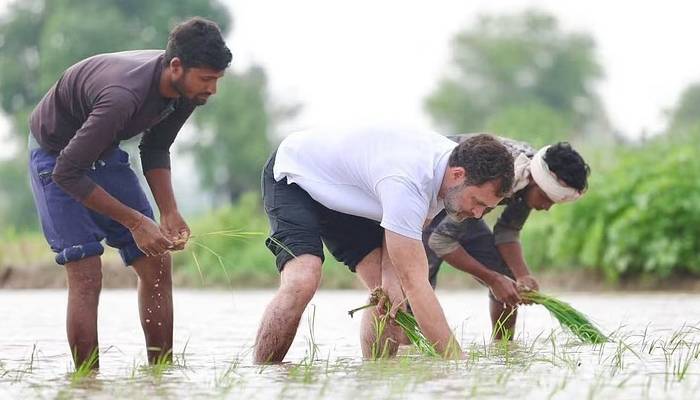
x: 179, y: 87
x: 451, y: 203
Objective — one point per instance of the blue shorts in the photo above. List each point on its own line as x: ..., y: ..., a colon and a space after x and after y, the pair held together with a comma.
x: 74, y: 231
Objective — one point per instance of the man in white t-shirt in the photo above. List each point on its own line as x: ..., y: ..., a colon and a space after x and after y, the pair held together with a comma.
x: 361, y: 191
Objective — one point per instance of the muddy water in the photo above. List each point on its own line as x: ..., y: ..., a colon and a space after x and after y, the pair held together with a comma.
x: 655, y: 352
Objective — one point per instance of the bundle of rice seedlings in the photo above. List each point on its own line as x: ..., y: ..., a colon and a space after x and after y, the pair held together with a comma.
x: 568, y: 317
x: 406, y: 321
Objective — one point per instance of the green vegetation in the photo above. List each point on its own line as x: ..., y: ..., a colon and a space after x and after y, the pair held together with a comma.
x: 228, y: 249
x: 568, y: 317
x: 522, y: 76
x: 640, y: 217
x: 406, y: 321
x: 86, y: 368
x: 518, y: 75
x: 648, y: 363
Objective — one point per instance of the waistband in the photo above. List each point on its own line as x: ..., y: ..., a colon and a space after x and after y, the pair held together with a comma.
x: 32, y: 144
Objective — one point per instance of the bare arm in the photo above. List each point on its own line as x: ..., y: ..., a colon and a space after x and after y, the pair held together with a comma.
x: 512, y: 254
x: 171, y: 222
x: 102, y: 202
x: 146, y: 233
x: 463, y: 261
x: 502, y: 287
x: 410, y: 261
x: 161, y: 186
x: 507, y: 237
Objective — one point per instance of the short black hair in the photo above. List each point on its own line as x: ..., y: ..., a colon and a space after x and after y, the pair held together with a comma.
x: 484, y: 158
x: 198, y: 43
x: 568, y: 165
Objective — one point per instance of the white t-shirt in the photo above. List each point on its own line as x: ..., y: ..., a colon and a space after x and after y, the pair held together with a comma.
x: 387, y: 174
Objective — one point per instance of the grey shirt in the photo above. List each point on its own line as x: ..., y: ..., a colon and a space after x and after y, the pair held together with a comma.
x: 445, y: 234
x: 101, y: 101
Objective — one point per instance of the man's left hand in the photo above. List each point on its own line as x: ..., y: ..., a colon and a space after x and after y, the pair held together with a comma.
x: 175, y: 228
x: 527, y: 283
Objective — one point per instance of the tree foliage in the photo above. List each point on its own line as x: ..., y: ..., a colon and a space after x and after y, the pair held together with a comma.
x: 233, y: 143
x: 507, y: 66
x: 39, y: 39
x: 685, y: 118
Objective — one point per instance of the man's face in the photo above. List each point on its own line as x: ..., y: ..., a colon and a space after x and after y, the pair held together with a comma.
x: 537, y: 199
x: 462, y: 201
x: 196, y: 84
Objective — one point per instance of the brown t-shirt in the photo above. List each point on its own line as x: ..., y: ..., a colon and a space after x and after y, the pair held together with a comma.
x: 101, y: 101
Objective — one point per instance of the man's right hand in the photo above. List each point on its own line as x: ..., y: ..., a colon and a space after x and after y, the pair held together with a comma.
x: 505, y: 290
x: 149, y: 238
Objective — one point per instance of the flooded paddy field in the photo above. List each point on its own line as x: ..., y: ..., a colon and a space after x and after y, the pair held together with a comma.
x: 654, y: 352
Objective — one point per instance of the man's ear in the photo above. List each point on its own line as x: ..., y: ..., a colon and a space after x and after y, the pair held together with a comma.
x: 176, y: 67
x: 458, y: 173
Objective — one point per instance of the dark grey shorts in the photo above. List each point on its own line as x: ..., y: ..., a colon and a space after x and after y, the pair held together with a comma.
x: 299, y: 225
x: 477, y: 240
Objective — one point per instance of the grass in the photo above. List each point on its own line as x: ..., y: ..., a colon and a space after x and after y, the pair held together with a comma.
x: 575, y: 321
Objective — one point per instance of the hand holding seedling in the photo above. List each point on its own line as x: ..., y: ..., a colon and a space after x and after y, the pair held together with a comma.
x: 505, y: 290
x: 527, y: 283
x: 149, y: 238
x: 175, y: 228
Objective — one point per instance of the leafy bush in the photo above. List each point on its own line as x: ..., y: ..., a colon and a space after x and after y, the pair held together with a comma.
x: 639, y: 217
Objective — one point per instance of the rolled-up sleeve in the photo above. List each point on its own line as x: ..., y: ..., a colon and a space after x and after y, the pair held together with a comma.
x: 156, y: 141
x: 511, y: 222
x: 445, y: 236
x: 404, y: 207
x: 111, y: 111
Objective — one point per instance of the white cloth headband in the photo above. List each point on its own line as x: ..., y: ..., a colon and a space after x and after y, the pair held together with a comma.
x: 556, y: 190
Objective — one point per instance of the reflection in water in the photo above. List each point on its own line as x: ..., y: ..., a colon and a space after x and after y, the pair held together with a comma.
x: 656, y: 352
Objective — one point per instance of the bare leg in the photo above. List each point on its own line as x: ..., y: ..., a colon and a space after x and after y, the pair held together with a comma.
x: 84, y: 286
x: 155, y: 292
x: 502, y: 319
x: 299, y: 281
x: 379, y: 337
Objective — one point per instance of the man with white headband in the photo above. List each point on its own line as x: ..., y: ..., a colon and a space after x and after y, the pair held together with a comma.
x: 554, y: 174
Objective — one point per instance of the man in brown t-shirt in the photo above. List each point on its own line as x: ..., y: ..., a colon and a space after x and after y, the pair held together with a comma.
x: 85, y: 190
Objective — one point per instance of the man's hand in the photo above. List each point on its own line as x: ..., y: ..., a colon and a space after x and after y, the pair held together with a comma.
x: 527, y: 283
x: 410, y: 263
x: 505, y: 290
x: 175, y: 229
x: 149, y: 238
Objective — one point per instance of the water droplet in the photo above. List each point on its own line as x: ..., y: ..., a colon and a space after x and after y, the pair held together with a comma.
x: 148, y: 321
x: 160, y: 324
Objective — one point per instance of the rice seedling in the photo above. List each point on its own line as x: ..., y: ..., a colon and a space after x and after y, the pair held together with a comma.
x: 406, y: 321
x: 305, y: 369
x: 570, y: 318
x: 682, y: 364
x: 379, y: 350
x: 87, y: 368
x: 229, y: 377
x: 197, y: 240
x: 20, y: 373
x: 160, y: 365
x: 180, y: 359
